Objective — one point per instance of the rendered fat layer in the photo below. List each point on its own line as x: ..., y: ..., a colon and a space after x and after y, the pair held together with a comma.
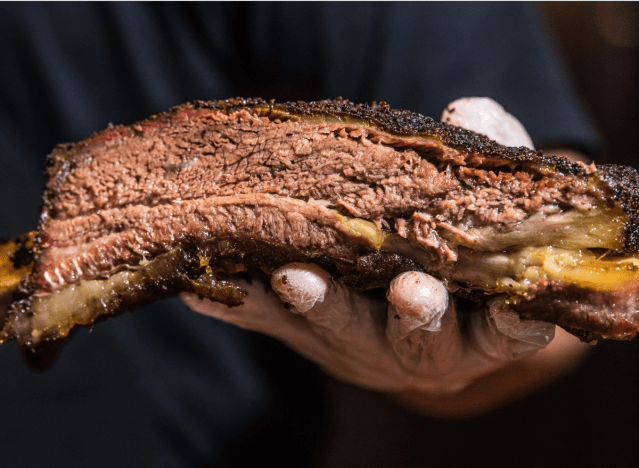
x: 514, y: 272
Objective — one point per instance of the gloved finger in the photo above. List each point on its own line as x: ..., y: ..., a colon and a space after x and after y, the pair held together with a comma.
x: 485, y: 116
x: 497, y: 336
x: 302, y: 285
x: 349, y: 324
x: 424, y: 332
x: 421, y: 347
x: 336, y: 312
x: 499, y: 333
x: 422, y: 325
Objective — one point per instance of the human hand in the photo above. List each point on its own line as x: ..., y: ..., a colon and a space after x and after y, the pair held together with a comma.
x: 415, y: 344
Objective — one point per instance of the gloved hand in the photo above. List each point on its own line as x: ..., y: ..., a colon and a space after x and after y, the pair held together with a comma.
x: 412, y: 342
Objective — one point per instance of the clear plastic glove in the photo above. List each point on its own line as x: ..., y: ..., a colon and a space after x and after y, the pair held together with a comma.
x: 410, y: 345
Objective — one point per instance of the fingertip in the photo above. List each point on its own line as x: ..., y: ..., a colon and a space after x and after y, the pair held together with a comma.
x: 534, y: 332
x: 486, y: 116
x: 502, y: 335
x: 419, y: 301
x: 301, y: 284
x: 422, y: 326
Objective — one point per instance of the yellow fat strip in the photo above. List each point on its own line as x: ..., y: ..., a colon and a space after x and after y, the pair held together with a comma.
x: 514, y: 272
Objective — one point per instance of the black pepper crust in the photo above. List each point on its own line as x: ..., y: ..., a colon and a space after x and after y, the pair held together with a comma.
x: 23, y: 256
x: 623, y: 181
x: 378, y: 114
x: 401, y: 123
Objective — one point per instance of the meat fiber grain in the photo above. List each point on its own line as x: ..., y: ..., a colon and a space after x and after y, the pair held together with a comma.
x: 215, y: 188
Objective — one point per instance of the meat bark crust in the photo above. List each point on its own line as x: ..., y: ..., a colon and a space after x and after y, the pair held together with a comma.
x: 364, y: 190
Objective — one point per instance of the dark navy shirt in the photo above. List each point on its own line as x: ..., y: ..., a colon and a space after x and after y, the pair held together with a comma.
x: 167, y: 387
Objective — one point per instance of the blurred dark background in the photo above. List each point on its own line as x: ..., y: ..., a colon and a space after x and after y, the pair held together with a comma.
x: 599, y: 43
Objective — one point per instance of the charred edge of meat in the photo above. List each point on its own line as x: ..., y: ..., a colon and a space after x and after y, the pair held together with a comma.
x: 371, y: 269
x: 471, y: 295
x: 402, y: 123
x: 583, y: 335
x: 204, y: 269
x: 624, y: 183
x: 23, y: 256
x: 377, y: 269
x: 381, y: 115
x: 593, y: 311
